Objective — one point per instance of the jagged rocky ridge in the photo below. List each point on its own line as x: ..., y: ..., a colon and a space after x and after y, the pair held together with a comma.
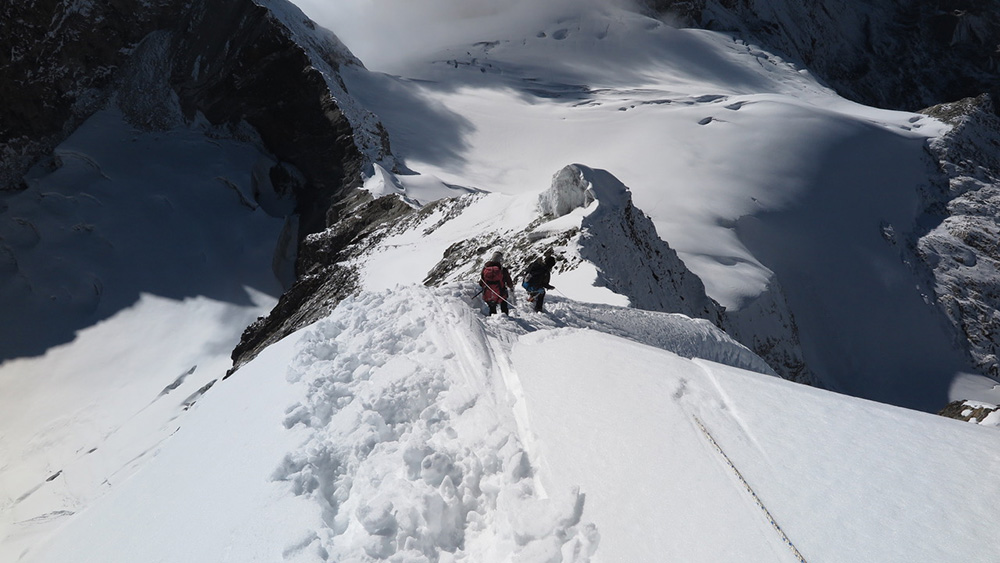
x: 898, y: 54
x: 610, y: 235
x: 325, y: 277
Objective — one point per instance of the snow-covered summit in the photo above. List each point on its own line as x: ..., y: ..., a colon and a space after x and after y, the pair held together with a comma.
x: 570, y: 189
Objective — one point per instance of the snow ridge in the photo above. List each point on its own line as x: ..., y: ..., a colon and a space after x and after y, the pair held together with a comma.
x: 632, y: 259
x: 419, y: 444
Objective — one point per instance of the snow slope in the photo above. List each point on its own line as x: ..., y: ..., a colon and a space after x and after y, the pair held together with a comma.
x: 407, y: 427
x: 136, y: 260
x: 757, y: 175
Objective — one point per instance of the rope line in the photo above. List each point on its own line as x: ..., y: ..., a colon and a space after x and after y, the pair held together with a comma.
x: 756, y: 499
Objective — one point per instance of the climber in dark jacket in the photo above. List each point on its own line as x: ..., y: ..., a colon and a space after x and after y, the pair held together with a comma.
x: 495, y: 279
x: 536, y: 280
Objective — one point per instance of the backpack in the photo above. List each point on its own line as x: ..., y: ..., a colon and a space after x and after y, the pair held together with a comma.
x: 493, y: 278
x: 534, y: 273
x: 493, y: 275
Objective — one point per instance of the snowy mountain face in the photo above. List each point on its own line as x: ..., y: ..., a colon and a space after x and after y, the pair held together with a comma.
x: 132, y: 255
x: 165, y: 67
x: 721, y: 221
x: 234, y: 62
x: 895, y: 54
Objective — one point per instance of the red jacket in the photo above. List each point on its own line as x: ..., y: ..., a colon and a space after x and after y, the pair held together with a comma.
x: 494, y: 292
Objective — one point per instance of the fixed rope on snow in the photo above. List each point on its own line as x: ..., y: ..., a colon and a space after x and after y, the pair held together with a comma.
x: 756, y: 499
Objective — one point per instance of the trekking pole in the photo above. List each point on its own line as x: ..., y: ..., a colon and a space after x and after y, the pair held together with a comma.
x: 476, y: 294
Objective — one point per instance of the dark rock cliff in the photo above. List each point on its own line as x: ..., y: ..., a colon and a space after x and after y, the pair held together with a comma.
x: 237, y: 62
x: 328, y: 280
x: 962, y: 249
x: 233, y: 61
x: 58, y: 60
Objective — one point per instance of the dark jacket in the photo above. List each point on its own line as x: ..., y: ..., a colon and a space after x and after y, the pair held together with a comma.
x: 538, y: 274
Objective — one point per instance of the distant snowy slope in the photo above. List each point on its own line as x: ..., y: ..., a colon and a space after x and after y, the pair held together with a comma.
x: 411, y: 428
x: 768, y: 185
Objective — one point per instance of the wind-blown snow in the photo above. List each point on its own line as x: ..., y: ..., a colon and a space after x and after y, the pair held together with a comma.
x: 411, y: 428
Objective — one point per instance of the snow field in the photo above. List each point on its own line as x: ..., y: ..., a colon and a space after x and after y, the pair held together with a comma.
x: 207, y: 494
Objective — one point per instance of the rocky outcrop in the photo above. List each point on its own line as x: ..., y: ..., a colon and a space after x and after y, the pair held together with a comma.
x: 328, y: 277
x: 961, y: 249
x: 631, y: 258
x: 899, y: 54
x: 973, y: 411
x: 633, y: 261
x: 767, y: 326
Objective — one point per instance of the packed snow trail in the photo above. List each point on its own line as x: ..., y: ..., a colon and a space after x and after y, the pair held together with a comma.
x: 415, y: 450
x: 411, y: 428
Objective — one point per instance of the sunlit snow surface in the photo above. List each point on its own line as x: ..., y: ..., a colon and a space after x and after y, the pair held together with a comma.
x: 407, y: 427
